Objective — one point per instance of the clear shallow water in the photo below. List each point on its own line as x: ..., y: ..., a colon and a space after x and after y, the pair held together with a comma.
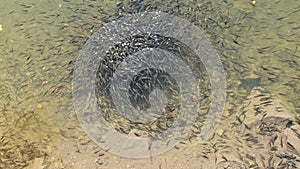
x: 40, y: 40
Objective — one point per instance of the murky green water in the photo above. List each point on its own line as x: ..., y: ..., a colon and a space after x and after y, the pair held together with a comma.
x: 257, y: 41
